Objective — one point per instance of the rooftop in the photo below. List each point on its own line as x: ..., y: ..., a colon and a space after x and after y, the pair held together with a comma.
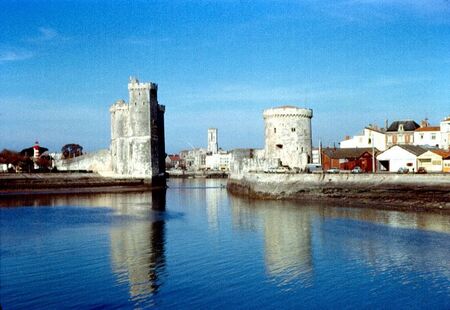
x: 429, y: 128
x: 347, y: 152
x: 408, y: 125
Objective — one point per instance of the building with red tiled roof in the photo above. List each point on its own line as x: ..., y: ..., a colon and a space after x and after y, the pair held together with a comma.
x: 428, y: 136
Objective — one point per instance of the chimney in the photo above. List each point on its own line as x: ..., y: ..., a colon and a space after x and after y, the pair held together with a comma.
x: 424, y: 123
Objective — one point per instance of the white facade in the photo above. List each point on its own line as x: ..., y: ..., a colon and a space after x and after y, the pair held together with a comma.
x: 427, y: 136
x: 369, y: 138
x: 213, y: 145
x: 288, y: 135
x: 219, y: 161
x: 445, y: 134
x: 397, y: 157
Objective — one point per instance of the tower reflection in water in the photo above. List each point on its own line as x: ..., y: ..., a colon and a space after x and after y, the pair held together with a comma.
x: 137, y: 244
x: 287, y: 238
x: 302, y: 241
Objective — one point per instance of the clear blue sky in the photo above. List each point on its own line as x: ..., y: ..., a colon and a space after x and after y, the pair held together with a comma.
x: 219, y: 64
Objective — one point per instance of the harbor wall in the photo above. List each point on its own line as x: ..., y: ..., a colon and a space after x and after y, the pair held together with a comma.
x: 386, y: 191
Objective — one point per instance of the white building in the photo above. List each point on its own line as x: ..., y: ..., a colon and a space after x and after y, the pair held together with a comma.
x: 429, y: 136
x: 219, y: 161
x: 370, y: 137
x: 400, y: 156
x: 445, y: 133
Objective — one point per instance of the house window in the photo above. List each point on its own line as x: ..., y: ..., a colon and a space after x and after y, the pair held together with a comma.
x: 433, y: 136
x: 421, y: 136
x: 370, y: 141
x: 400, y: 127
x: 274, y: 130
x: 280, y: 146
x: 293, y: 129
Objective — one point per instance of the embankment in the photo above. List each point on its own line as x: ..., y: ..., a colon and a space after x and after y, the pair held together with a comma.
x: 428, y: 192
x: 69, y: 182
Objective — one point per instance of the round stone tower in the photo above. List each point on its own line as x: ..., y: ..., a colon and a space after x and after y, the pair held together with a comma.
x: 288, y: 135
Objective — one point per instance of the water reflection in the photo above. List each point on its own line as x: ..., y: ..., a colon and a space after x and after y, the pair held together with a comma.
x: 298, y: 235
x: 287, y: 237
x: 137, y: 247
x: 137, y: 234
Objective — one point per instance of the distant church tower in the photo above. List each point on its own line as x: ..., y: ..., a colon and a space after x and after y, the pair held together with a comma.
x: 213, y: 145
x: 137, y: 133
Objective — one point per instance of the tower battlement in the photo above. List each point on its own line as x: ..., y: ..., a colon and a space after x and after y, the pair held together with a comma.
x: 134, y: 84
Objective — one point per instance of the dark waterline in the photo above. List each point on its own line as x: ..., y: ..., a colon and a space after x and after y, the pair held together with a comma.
x: 198, y: 247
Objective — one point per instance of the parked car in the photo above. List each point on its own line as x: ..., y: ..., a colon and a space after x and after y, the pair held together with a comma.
x: 402, y: 170
x: 421, y: 170
x: 357, y: 169
x: 333, y: 170
x: 311, y: 168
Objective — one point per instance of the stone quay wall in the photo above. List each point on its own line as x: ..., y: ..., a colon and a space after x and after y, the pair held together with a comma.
x: 384, y: 191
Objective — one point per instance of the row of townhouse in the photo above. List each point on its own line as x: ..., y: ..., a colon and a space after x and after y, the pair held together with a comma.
x: 405, y: 132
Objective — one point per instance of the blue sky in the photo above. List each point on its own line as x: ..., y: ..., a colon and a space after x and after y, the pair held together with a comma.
x: 219, y: 64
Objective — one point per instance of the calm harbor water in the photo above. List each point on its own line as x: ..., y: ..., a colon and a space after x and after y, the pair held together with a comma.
x: 196, y: 247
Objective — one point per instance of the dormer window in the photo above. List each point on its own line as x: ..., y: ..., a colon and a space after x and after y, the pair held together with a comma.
x: 400, y: 127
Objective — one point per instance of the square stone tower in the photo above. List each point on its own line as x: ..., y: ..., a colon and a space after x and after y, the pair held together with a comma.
x: 137, y: 133
x: 213, y: 145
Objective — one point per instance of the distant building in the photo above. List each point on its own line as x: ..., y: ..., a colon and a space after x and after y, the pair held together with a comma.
x: 434, y: 161
x: 348, y: 158
x: 219, y: 161
x: 400, y: 156
x: 213, y: 144
x: 371, y: 136
x: 428, y: 136
x: 288, y: 135
x: 401, y: 132
x: 445, y: 133
x: 194, y: 159
x: 137, y: 133
x: 173, y: 161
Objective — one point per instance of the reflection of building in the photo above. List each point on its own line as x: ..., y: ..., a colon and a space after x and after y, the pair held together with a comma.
x: 137, y: 247
x: 213, y: 198
x: 288, y: 245
x: 287, y: 237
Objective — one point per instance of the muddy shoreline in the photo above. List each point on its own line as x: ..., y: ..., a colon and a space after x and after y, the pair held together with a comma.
x: 70, y: 183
